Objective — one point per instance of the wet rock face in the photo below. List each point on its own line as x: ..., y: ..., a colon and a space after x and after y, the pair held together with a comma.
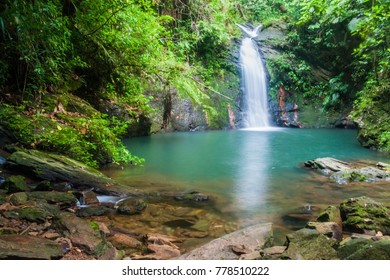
x: 364, y: 214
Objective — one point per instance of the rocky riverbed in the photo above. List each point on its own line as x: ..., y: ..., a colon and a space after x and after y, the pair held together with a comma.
x: 61, y: 209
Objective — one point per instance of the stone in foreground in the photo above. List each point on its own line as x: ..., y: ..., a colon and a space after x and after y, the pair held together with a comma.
x: 249, y: 239
x: 13, y: 246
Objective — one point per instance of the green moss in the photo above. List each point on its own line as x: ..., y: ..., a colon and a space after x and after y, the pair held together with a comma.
x: 79, y: 131
x: 32, y: 214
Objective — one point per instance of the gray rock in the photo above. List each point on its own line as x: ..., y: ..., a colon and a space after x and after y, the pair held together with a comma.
x: 2, y: 160
x: 365, y: 174
x: 309, y: 244
x: 14, y: 246
x: 328, y: 163
x: 249, y: 239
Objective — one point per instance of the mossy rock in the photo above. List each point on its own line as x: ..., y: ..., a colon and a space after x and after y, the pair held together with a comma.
x: 60, y: 198
x: 131, y: 206
x: 363, y: 213
x: 349, y: 247
x: 33, y: 214
x: 19, y: 198
x: 379, y: 250
x: 93, y: 211
x: 309, y: 244
x: 15, y: 184
x: 330, y: 214
x: 53, y: 167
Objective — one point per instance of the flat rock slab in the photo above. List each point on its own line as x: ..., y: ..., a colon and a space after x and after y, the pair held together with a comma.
x: 231, y: 246
x: 13, y: 246
x: 328, y: 163
x: 53, y: 167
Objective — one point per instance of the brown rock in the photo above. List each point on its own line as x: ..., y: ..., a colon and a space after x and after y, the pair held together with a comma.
x: 14, y: 246
x: 123, y: 241
x: 253, y: 238
x: 330, y: 229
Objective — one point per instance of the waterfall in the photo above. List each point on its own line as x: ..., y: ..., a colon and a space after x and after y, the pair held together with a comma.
x: 254, y: 80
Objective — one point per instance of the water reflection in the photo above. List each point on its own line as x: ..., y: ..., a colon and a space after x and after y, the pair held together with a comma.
x: 251, y: 179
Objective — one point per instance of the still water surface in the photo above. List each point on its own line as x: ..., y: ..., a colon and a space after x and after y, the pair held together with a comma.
x: 252, y: 176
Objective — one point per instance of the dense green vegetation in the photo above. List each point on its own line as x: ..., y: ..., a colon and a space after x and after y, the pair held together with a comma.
x: 338, y: 52
x: 120, y: 53
x: 77, y: 75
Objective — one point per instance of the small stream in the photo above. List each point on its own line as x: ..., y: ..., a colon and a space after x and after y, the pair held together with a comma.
x: 251, y: 176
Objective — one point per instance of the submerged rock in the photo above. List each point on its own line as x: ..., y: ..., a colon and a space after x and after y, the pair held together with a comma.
x: 93, y: 211
x: 131, y: 206
x: 309, y: 244
x: 192, y: 196
x: 249, y: 239
x: 14, y: 246
x: 365, y: 214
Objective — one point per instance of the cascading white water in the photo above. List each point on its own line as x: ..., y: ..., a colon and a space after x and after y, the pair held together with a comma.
x: 254, y: 80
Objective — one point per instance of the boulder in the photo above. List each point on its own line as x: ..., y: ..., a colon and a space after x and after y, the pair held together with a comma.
x: 328, y: 164
x: 53, y: 167
x: 123, y: 241
x: 192, y: 196
x: 351, y: 245
x: 18, y: 198
x: 330, y: 214
x: 365, y: 174
x: 14, y: 246
x: 329, y: 229
x: 131, y: 206
x: 365, y: 214
x: 93, y: 211
x: 366, y: 250
x: 248, y: 240
x: 2, y: 160
x: 309, y: 244
x: 63, y: 199
x: 15, y: 184
x: 81, y: 234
